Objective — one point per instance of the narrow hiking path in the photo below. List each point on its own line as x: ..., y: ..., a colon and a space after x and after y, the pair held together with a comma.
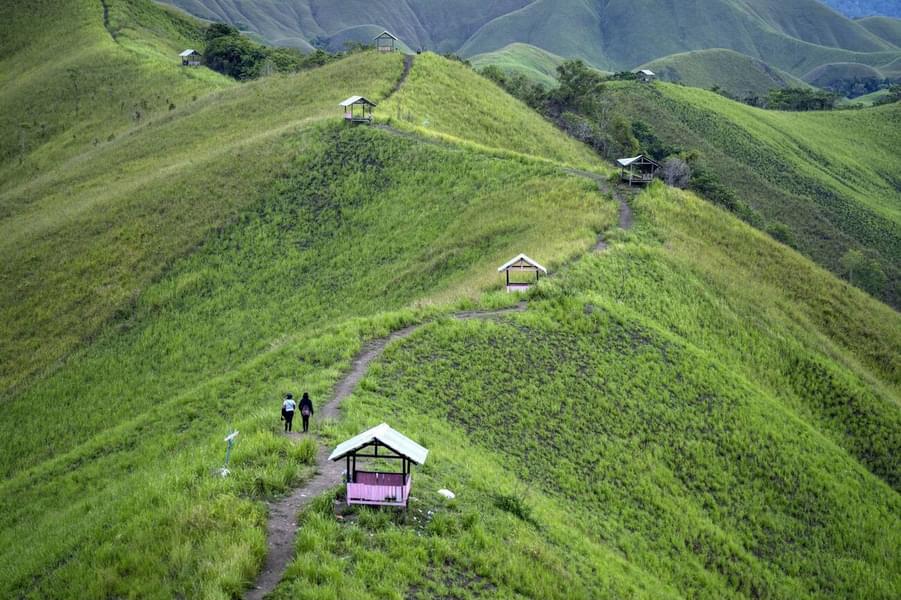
x: 282, y: 524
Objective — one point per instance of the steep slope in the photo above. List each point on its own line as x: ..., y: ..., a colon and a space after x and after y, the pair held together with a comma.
x: 831, y: 177
x: 697, y: 412
x: 796, y: 36
x: 887, y: 28
x: 533, y: 63
x: 735, y: 73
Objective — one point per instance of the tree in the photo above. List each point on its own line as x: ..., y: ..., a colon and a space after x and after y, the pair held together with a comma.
x: 676, y: 172
x: 864, y: 271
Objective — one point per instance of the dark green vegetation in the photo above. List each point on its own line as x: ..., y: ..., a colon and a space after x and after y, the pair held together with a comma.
x: 736, y: 74
x: 725, y: 413
x: 847, y: 79
x: 697, y: 413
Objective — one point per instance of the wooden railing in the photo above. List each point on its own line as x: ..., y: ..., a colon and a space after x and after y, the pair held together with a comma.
x: 382, y: 489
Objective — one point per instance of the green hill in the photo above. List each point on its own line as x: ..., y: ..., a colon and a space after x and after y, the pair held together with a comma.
x: 795, y: 35
x: 649, y: 428
x: 887, y: 28
x: 698, y: 411
x: 830, y: 177
x: 840, y: 77
x: 533, y: 63
x: 732, y: 72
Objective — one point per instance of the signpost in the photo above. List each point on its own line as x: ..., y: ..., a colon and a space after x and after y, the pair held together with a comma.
x: 230, y: 441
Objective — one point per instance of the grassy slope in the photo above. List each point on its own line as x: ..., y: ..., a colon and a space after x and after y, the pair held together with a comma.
x: 733, y: 72
x: 184, y: 267
x: 432, y: 101
x: 834, y: 73
x: 831, y: 177
x: 98, y: 89
x: 534, y: 63
x: 887, y: 28
x: 684, y: 416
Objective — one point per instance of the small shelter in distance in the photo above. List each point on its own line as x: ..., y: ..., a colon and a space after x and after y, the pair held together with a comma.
x: 190, y: 58
x: 646, y: 75
x: 386, y: 42
x: 377, y: 488
x: 519, y: 265
x: 641, y: 169
x: 350, y: 112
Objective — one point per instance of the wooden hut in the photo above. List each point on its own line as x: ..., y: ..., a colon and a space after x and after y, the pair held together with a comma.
x: 646, y: 75
x: 190, y: 58
x: 376, y: 487
x: 641, y: 169
x: 352, y: 115
x: 386, y: 42
x: 516, y: 268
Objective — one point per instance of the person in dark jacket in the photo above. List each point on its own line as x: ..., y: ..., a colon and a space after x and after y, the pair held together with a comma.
x: 306, y: 411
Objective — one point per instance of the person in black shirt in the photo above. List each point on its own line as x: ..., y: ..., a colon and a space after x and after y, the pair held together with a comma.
x: 306, y: 411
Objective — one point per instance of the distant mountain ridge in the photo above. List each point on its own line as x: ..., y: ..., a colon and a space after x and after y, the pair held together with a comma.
x: 793, y: 35
x: 866, y: 8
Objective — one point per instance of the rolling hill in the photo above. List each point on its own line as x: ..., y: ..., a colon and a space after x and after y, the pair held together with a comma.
x: 830, y: 177
x: 695, y: 411
x: 887, y: 28
x: 794, y: 36
x: 734, y: 73
x: 533, y: 63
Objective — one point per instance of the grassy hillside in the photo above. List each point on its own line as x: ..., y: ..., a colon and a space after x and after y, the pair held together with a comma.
x: 734, y: 73
x: 887, y: 28
x: 533, y: 63
x: 830, y: 177
x: 795, y: 36
x: 835, y: 75
x: 659, y: 424
x: 436, y: 98
x: 724, y: 414
x: 120, y: 74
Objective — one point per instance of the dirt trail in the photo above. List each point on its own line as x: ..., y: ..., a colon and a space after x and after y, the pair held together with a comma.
x: 408, y: 66
x: 282, y: 523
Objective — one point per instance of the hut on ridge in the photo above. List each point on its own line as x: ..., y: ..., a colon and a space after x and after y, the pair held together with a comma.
x: 351, y: 115
x: 646, y: 75
x: 190, y: 58
x: 519, y: 266
x: 641, y: 169
x: 386, y: 42
x: 376, y: 487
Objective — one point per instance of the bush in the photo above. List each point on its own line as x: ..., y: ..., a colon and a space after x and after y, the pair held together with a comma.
x: 676, y: 172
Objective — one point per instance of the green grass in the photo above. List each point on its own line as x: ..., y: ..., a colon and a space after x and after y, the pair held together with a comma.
x: 887, y: 28
x: 651, y: 420
x: 831, y: 177
x: 431, y: 100
x: 535, y: 64
x: 735, y: 73
x: 170, y: 282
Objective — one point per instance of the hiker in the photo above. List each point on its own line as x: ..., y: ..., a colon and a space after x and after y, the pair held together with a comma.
x: 288, y: 408
x: 306, y: 411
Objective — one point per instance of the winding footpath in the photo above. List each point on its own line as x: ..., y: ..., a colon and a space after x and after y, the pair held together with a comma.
x: 282, y: 525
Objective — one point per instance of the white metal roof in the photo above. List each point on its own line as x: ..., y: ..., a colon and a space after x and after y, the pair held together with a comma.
x: 386, y: 33
x: 356, y: 100
x: 521, y: 258
x: 386, y: 436
x: 188, y: 52
x: 625, y: 162
x: 647, y: 72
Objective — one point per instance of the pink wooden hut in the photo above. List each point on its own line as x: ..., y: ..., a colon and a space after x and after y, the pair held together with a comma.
x: 374, y: 487
x: 518, y: 266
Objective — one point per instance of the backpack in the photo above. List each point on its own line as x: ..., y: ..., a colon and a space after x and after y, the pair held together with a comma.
x: 305, y: 410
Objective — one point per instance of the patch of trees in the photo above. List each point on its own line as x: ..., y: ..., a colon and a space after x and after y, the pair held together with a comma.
x: 894, y: 95
x: 796, y: 99
x: 232, y: 54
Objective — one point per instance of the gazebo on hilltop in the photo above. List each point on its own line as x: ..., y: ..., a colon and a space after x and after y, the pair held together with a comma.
x: 517, y: 266
x: 190, y: 58
x: 375, y: 487
x: 351, y: 114
x: 646, y: 75
x: 386, y: 42
x: 641, y: 169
